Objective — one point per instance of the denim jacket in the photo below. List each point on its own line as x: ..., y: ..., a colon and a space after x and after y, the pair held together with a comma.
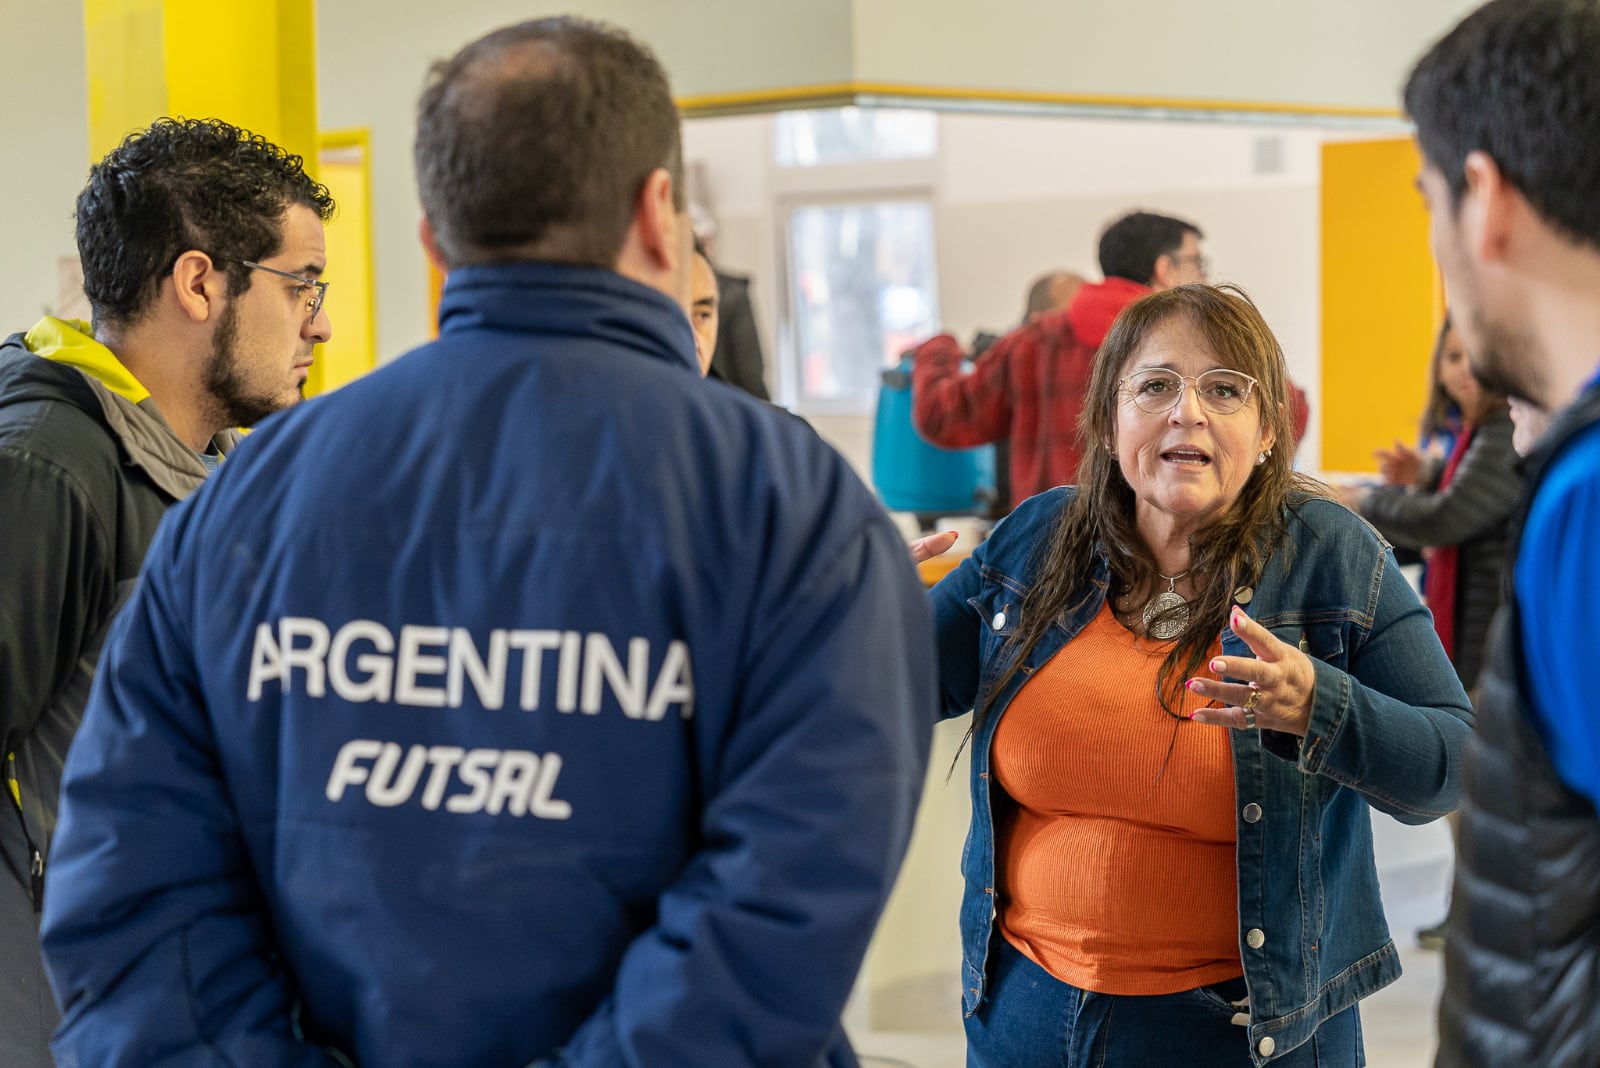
x: 1388, y: 722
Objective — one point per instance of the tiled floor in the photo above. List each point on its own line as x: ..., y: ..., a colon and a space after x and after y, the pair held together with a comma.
x: 1397, y: 1022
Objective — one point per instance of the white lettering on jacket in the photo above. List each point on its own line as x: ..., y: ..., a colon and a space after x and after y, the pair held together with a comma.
x: 444, y: 667
x: 492, y: 780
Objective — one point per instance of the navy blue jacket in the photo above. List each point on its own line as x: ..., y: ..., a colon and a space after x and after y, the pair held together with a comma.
x: 1388, y: 723
x: 528, y: 699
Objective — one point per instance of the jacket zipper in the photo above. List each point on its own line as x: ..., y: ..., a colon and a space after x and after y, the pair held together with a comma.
x: 35, y: 857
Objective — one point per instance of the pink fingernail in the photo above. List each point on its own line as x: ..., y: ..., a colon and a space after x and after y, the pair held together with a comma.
x: 1194, y: 685
x: 1217, y: 666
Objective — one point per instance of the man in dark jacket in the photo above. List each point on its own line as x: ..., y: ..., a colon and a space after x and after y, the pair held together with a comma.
x: 193, y: 238
x: 1028, y: 388
x: 738, y: 359
x: 526, y: 701
x: 1507, y: 110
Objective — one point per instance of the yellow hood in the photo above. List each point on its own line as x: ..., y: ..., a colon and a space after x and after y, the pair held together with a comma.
x: 71, y: 342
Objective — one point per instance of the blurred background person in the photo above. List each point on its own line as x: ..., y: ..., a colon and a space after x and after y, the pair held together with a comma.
x: 1051, y: 292
x: 1400, y: 465
x: 704, y: 309
x: 1457, y: 511
x: 737, y: 358
x: 1458, y: 514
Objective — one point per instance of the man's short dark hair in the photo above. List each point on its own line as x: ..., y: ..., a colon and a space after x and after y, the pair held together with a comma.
x: 181, y: 185
x: 1520, y: 81
x: 1130, y: 246
x: 533, y: 143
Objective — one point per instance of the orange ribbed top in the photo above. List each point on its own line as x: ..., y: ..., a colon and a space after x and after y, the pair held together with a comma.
x: 1115, y: 875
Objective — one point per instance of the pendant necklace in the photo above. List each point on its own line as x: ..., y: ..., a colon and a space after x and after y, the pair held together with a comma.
x: 1169, y: 601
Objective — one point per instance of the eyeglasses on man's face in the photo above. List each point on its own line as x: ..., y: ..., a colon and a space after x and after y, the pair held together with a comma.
x: 1159, y: 390
x: 1200, y: 263
x: 315, y: 290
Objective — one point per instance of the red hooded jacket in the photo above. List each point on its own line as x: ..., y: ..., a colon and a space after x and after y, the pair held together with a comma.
x: 1028, y: 388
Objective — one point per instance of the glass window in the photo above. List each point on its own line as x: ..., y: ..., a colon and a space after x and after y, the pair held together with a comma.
x: 854, y: 135
x: 863, y: 290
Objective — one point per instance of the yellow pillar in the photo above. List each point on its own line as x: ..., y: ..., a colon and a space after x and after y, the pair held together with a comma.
x: 252, y: 64
x: 1381, y: 300
x: 346, y: 169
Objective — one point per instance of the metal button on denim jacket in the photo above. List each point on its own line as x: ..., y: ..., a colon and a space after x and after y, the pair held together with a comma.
x: 1388, y: 722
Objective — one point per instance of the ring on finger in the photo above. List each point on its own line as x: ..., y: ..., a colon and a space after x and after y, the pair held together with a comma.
x: 1253, y: 700
x: 1249, y: 719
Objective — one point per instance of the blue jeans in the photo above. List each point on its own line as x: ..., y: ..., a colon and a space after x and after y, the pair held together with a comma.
x: 1030, y: 1019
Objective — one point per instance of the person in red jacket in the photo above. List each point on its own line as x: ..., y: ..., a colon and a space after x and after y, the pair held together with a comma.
x: 1029, y: 387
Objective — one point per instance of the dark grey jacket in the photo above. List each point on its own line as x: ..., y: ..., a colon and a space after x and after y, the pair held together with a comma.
x: 737, y: 358
x: 85, y: 476
x: 1522, y: 966
x: 1473, y: 514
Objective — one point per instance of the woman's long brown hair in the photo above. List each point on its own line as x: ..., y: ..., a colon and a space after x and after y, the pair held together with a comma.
x: 1228, y: 554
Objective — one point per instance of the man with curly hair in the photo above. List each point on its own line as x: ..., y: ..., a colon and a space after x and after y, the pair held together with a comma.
x: 202, y: 249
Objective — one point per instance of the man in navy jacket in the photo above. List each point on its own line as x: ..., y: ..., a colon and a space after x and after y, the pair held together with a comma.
x: 528, y: 701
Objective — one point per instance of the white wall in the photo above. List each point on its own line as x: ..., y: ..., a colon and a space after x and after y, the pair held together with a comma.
x: 44, y: 115
x: 1354, y: 53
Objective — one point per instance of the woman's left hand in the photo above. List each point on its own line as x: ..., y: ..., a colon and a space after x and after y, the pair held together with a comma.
x: 1276, y: 688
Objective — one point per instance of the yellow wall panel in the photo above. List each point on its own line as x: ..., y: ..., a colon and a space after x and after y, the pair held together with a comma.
x: 252, y: 64
x: 343, y: 168
x: 126, y: 65
x: 1380, y: 300
x: 435, y: 294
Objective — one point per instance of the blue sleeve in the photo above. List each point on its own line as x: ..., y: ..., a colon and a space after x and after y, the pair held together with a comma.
x: 757, y: 943
x: 963, y: 623
x: 1394, y: 723
x: 155, y: 935
x: 957, y: 623
x: 1558, y: 594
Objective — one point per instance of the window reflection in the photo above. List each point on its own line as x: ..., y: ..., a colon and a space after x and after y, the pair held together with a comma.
x: 864, y: 290
x: 854, y: 135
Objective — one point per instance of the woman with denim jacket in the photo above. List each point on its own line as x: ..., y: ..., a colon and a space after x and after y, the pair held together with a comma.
x: 1191, y: 677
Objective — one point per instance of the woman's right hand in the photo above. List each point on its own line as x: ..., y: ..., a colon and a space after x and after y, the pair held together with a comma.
x: 1399, y: 466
